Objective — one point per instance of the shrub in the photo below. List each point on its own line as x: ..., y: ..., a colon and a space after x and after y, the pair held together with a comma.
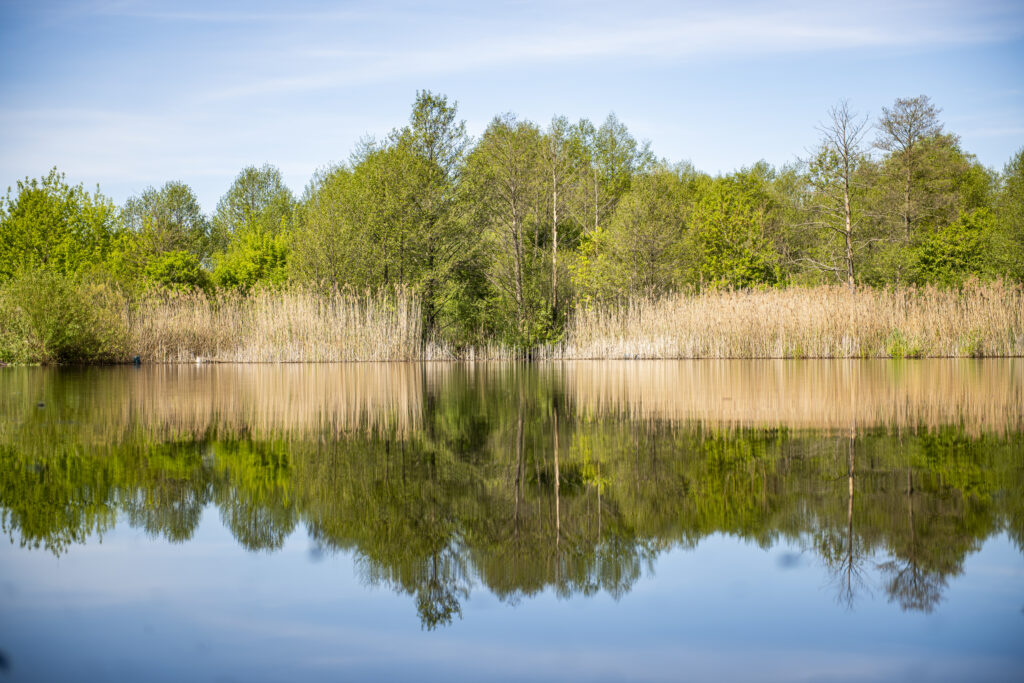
x: 48, y: 317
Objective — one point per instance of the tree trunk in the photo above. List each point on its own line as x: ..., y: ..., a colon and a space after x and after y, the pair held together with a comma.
x: 848, y: 231
x: 554, y: 249
x: 906, y: 205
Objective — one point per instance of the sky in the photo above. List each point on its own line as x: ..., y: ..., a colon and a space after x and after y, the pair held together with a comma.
x: 129, y: 94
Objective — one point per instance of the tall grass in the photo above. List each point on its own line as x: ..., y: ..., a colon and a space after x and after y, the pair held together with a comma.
x: 297, y: 324
x: 50, y: 319
x: 980, y: 319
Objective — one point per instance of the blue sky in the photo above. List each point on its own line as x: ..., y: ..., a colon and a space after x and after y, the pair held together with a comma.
x: 132, y: 93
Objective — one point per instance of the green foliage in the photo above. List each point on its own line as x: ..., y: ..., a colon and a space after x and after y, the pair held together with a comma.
x: 257, y: 200
x: 615, y: 158
x: 253, y: 257
x: 252, y: 230
x: 48, y: 317
x: 169, y: 219
x: 180, y: 270
x: 730, y: 240
x: 647, y: 231
x: 953, y: 253
x: 329, y: 249
x: 898, y: 345
x: 390, y: 218
x: 1008, y: 236
x: 595, y: 275
x: 502, y: 175
x: 48, y: 224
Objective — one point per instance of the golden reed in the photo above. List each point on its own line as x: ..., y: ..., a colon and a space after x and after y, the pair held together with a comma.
x: 293, y: 325
x: 299, y: 324
x: 981, y: 319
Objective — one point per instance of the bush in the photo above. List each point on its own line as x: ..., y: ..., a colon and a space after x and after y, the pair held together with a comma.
x: 48, y: 317
x: 177, y: 270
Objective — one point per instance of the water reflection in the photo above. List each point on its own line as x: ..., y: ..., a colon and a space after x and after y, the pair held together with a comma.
x: 519, y: 478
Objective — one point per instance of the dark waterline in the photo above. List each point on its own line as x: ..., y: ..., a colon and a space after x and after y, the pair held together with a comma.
x: 774, y: 520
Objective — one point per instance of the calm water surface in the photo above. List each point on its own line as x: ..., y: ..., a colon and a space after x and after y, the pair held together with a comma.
x: 710, y: 520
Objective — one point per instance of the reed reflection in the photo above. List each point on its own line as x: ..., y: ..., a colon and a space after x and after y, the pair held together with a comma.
x: 523, y: 478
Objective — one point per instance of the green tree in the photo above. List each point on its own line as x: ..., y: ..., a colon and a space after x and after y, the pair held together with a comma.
x: 392, y: 216
x: 438, y: 242
x: 1008, y: 238
x: 177, y: 269
x: 48, y: 224
x: 252, y: 230
x: 901, y: 130
x: 503, y: 179
x: 257, y: 200
x: 646, y: 233
x: 955, y: 252
x: 614, y: 157
x: 254, y: 257
x: 563, y: 159
x: 329, y: 249
x: 731, y: 242
x: 168, y: 219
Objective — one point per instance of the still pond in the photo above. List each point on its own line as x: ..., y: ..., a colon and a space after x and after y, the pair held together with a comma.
x: 656, y: 521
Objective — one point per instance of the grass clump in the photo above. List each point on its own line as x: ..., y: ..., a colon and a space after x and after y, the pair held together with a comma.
x: 899, y: 346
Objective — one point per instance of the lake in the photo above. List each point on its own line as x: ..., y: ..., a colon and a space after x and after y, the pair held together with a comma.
x: 637, y: 520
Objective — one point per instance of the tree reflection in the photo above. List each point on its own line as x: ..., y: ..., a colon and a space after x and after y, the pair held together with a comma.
x: 507, y: 485
x: 843, y: 551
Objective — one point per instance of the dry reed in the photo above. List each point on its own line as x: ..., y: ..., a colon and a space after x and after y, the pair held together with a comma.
x: 981, y: 319
x: 291, y: 325
x: 303, y: 325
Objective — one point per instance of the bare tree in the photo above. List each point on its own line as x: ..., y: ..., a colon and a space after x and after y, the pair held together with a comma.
x: 833, y: 169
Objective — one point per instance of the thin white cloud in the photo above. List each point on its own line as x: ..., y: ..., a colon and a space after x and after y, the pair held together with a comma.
x: 671, y: 37
x: 180, y: 12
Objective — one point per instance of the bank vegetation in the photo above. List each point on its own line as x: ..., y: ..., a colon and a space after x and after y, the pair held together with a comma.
x: 571, y: 240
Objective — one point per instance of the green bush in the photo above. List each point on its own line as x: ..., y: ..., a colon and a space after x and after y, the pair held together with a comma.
x: 900, y: 346
x: 48, y: 317
x: 177, y: 270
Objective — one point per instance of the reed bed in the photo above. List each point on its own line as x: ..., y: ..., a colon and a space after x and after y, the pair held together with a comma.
x: 304, y: 325
x: 291, y: 325
x: 980, y: 319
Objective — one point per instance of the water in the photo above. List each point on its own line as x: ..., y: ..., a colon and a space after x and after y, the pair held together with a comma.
x: 712, y: 520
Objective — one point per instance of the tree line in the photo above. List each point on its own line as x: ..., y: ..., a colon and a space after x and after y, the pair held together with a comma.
x: 501, y: 237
